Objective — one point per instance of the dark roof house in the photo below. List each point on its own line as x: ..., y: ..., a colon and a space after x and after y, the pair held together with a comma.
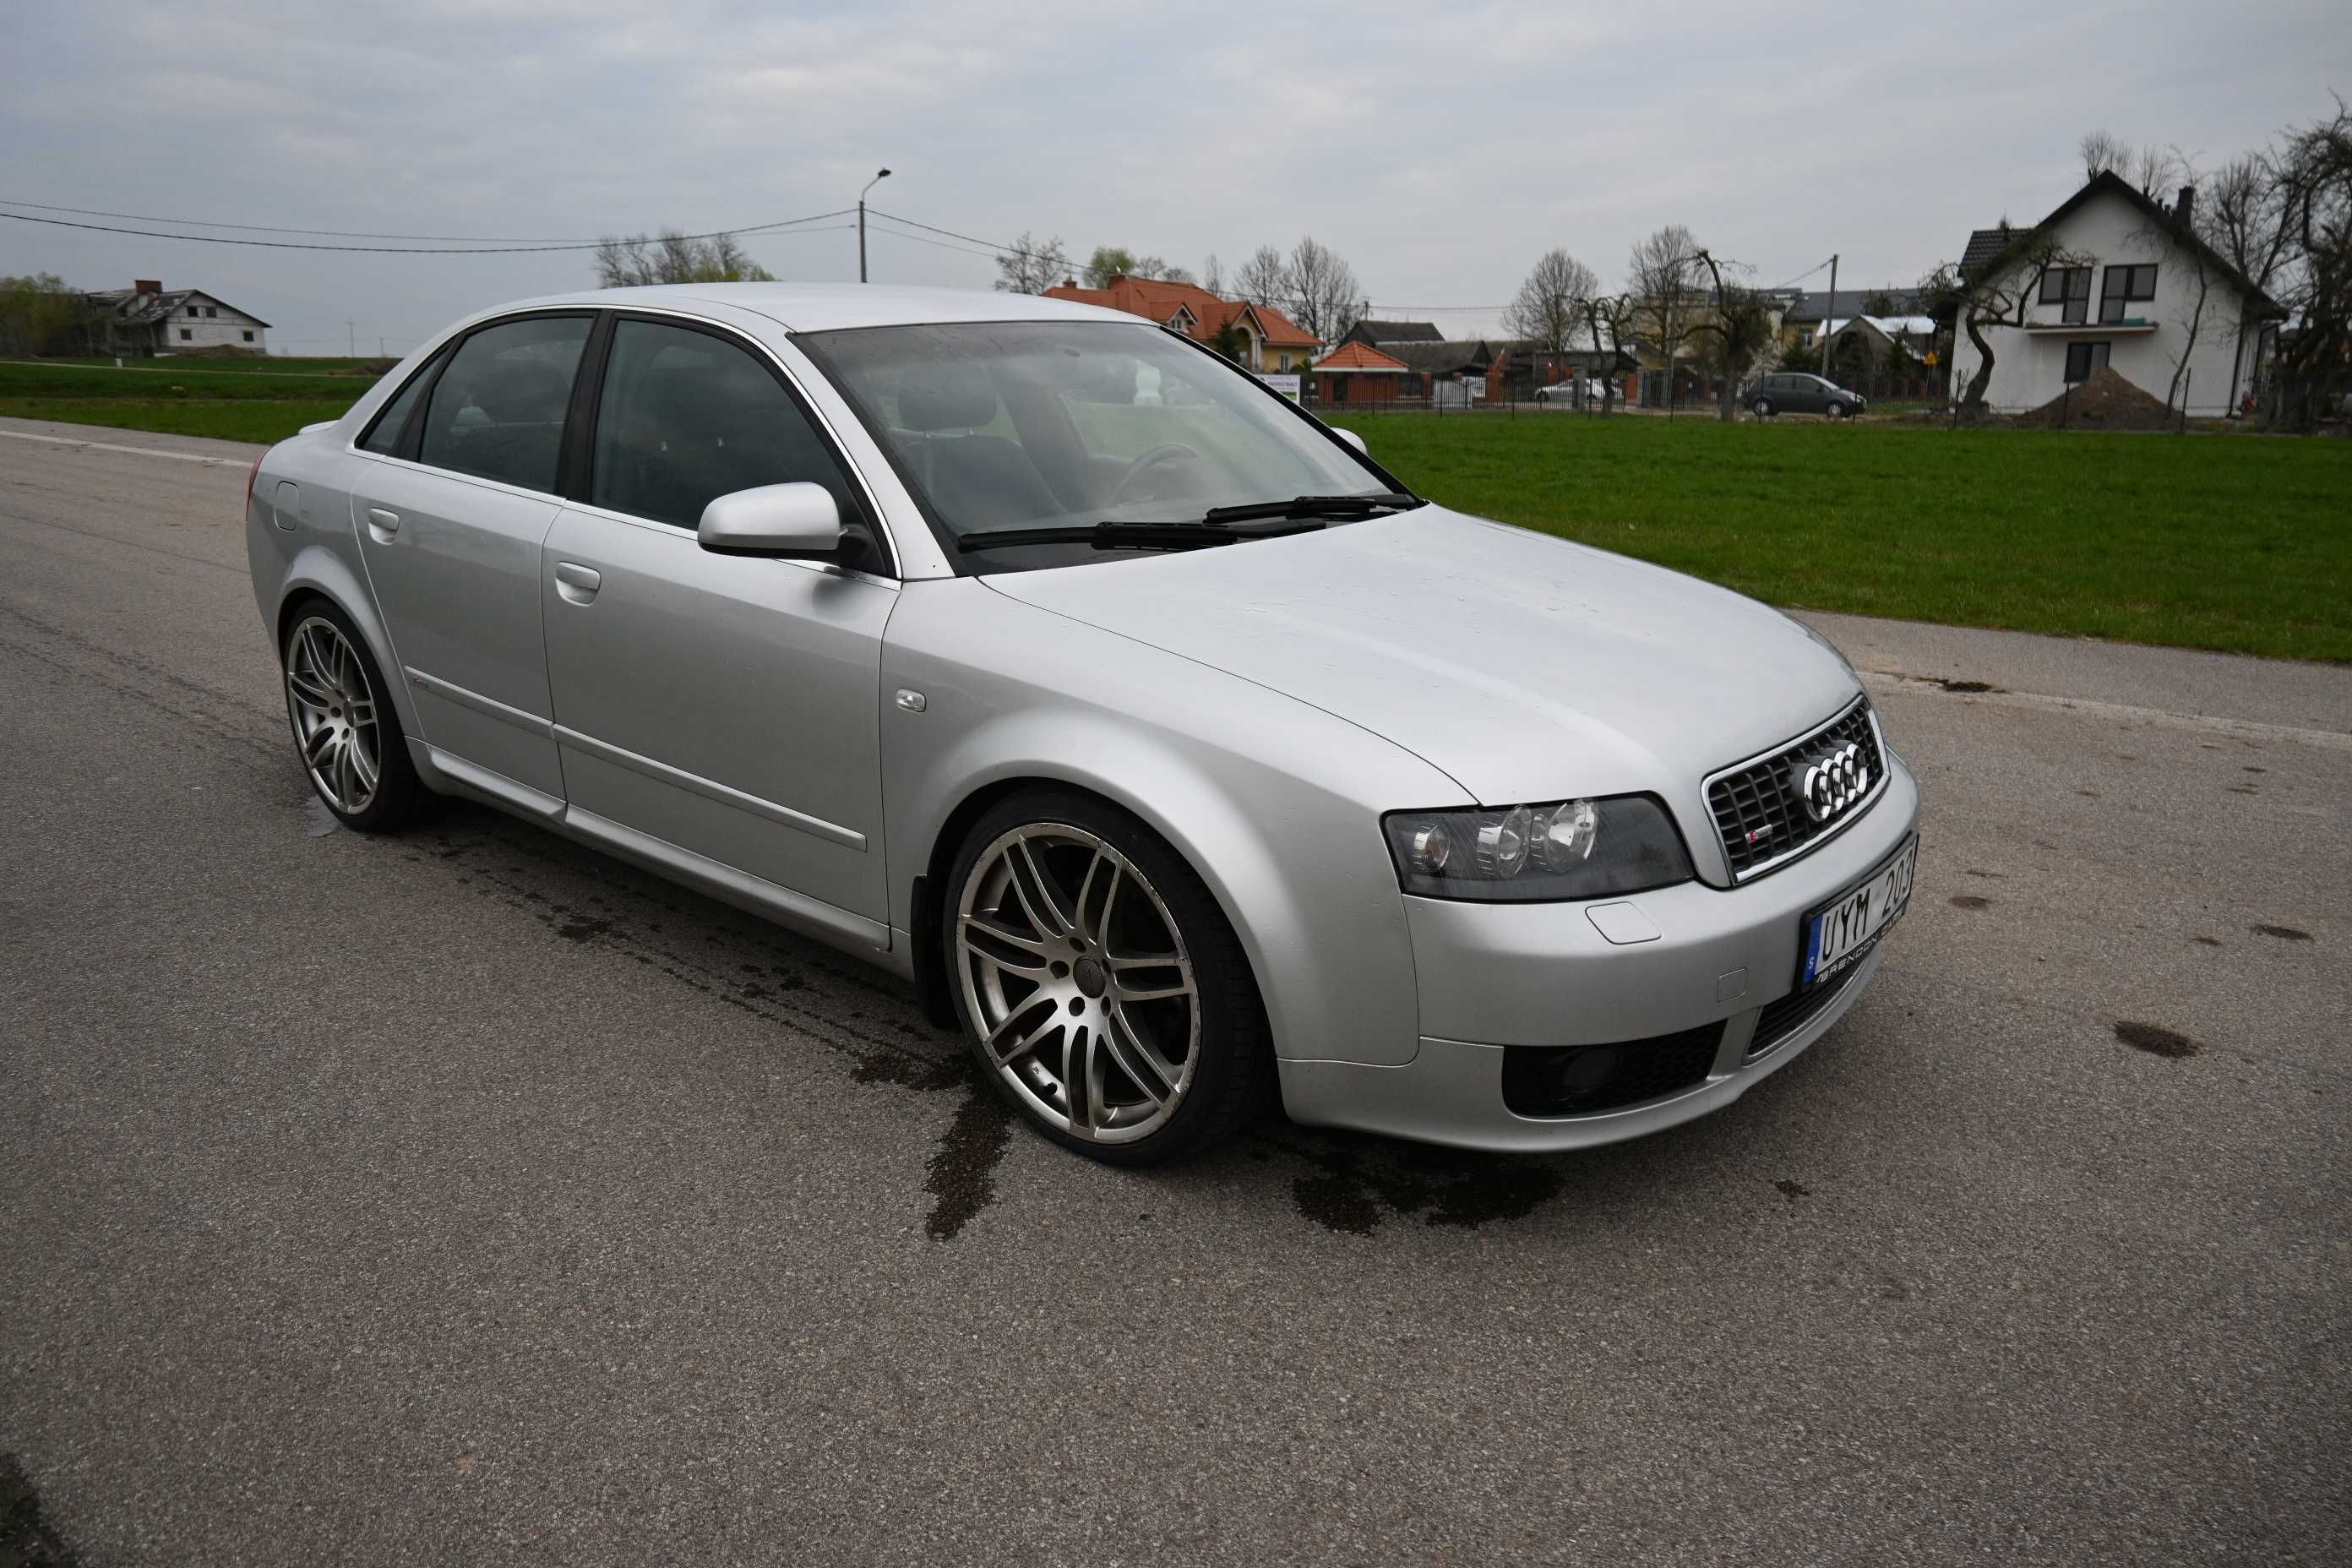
x: 1381, y: 333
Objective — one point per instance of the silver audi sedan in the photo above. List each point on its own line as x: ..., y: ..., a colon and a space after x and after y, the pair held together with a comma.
x: 1181, y: 756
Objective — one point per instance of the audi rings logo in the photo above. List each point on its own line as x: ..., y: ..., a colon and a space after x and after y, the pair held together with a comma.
x: 1828, y: 784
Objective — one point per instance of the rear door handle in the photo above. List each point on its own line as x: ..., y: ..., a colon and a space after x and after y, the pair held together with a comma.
x: 577, y: 583
x: 383, y: 524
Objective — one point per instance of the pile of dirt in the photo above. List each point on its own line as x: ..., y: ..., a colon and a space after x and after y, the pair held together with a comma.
x: 2106, y: 402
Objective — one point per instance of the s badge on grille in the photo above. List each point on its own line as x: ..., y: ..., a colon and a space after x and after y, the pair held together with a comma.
x: 1828, y: 784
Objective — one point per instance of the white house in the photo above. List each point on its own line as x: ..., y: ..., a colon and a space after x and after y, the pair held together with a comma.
x: 2133, y: 289
x: 146, y: 320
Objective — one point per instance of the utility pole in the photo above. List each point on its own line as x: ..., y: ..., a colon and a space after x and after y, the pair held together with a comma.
x: 861, y: 222
x: 1826, y: 309
x: 352, y: 328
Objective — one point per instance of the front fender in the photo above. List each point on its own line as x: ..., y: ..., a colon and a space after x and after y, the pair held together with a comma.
x: 1276, y: 805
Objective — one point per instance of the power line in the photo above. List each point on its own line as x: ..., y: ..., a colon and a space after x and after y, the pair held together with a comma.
x: 992, y: 245
x: 407, y: 249
x: 266, y: 228
x: 918, y: 239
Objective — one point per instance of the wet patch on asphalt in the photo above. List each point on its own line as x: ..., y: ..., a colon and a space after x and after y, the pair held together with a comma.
x: 26, y: 1539
x: 1357, y: 1183
x: 2284, y: 933
x: 1969, y: 901
x: 2156, y: 1040
x: 1792, y: 1190
x: 1964, y: 688
x: 758, y: 965
x: 2206, y: 940
x: 961, y: 1174
x: 1353, y: 1183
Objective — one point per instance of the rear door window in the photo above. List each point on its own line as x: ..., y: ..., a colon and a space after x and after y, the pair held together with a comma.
x: 497, y: 411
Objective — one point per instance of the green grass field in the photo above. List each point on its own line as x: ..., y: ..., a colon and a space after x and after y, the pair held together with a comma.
x: 2239, y: 543
x: 235, y: 400
x: 2242, y: 544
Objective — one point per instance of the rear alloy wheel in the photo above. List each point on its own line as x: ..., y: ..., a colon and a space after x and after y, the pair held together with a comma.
x: 348, y: 735
x: 1841, y: 410
x: 1763, y: 408
x: 1099, y: 986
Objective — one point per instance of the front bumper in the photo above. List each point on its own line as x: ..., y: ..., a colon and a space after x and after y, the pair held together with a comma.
x: 1493, y: 976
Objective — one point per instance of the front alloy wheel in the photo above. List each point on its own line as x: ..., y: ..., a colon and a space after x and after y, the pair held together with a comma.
x: 1763, y: 408
x: 1103, y: 992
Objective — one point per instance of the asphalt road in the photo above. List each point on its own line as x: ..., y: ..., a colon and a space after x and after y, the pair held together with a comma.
x: 468, y: 1197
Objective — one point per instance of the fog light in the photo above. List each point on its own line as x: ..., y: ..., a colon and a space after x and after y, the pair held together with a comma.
x: 1587, y: 1073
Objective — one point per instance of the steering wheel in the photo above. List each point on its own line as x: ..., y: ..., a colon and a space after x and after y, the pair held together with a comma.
x: 1166, y: 452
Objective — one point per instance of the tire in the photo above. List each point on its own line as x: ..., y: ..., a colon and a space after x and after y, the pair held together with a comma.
x: 356, y: 758
x: 1055, y: 904
x: 1763, y: 409
x: 1841, y: 410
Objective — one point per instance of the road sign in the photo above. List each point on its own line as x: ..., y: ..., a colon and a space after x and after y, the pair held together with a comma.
x: 1288, y: 385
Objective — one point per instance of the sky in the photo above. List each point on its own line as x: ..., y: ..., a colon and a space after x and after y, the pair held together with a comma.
x: 1440, y: 148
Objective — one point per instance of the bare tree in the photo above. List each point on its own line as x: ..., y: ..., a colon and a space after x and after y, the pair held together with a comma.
x: 2314, y: 169
x: 2102, y: 151
x: 1997, y: 294
x: 1264, y: 278
x: 1609, y: 319
x: 1548, y: 310
x: 1663, y: 274
x: 1738, y: 324
x: 635, y: 260
x: 1212, y: 275
x: 1325, y: 300
x: 1031, y: 265
x: 2240, y: 213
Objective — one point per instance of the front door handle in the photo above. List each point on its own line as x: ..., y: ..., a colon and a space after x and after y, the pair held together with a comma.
x: 577, y: 583
x: 383, y: 524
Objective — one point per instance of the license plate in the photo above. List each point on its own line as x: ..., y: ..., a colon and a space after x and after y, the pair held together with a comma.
x: 1841, y: 931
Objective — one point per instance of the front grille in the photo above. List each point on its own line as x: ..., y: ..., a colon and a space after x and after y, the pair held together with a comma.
x: 1758, y: 814
x: 1577, y: 1080
x: 1781, y: 1019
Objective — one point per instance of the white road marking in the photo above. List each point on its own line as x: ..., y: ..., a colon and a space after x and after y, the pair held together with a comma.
x: 135, y: 451
x: 2245, y: 729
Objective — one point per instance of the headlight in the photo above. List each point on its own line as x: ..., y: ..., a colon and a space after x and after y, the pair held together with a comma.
x: 1526, y: 854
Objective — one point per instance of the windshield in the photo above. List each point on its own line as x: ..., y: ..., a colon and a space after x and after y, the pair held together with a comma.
x: 1019, y: 425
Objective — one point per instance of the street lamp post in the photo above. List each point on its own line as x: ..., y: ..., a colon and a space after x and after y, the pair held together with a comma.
x: 877, y: 180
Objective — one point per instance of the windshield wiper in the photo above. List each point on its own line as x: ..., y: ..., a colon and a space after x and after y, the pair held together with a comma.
x: 1313, y: 506
x: 1116, y: 535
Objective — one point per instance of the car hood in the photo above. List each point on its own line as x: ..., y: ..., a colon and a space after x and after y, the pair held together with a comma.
x: 1523, y: 667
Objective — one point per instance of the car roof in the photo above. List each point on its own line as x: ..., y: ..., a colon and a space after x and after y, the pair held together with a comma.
x: 824, y: 307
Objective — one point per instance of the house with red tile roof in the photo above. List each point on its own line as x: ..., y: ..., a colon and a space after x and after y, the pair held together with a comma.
x: 1359, y: 372
x: 1271, y: 341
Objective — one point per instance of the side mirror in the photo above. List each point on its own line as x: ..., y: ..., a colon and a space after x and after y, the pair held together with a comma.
x: 798, y: 521
x: 1354, y: 440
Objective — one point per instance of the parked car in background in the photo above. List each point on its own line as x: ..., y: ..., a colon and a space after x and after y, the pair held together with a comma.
x: 1176, y: 753
x: 1587, y: 390
x: 1794, y: 392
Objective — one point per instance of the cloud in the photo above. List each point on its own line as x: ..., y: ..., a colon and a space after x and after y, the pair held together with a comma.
x: 1440, y: 150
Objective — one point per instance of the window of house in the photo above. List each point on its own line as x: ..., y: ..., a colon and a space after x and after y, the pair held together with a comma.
x: 2069, y: 287
x: 191, y: 310
x: 2125, y: 287
x: 212, y: 309
x: 2083, y: 359
x: 1408, y: 386
x: 497, y: 411
x: 249, y: 337
x: 186, y: 335
x: 687, y: 417
x: 1285, y: 362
